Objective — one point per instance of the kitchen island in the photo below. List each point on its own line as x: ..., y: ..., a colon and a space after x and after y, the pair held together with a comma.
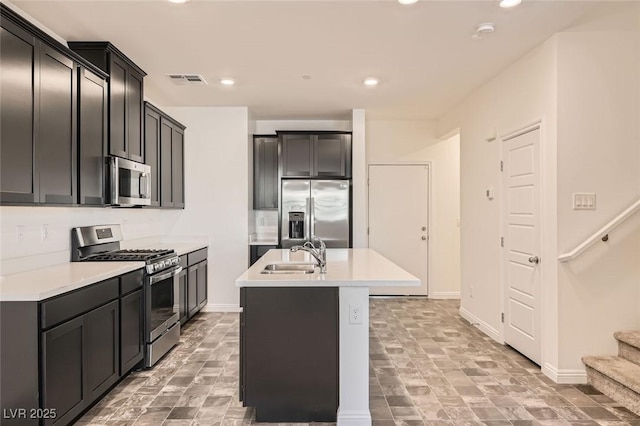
x: 304, y: 338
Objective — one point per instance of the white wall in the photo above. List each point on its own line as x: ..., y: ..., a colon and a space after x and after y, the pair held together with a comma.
x: 584, y: 85
x: 520, y: 95
x: 598, y: 151
x: 216, y: 183
x: 31, y: 251
x: 397, y: 141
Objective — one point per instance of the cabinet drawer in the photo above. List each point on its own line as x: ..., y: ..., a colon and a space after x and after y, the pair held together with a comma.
x: 67, y: 306
x: 131, y: 281
x: 197, y: 256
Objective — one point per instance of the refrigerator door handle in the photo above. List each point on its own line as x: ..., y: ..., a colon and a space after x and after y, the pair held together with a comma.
x: 307, y: 225
x: 312, y: 218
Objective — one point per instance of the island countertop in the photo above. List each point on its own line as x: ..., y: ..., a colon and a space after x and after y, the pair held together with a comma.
x: 345, y: 268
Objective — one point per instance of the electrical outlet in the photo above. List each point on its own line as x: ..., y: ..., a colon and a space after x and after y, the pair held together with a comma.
x: 19, y: 233
x: 355, y: 314
x: 44, y: 232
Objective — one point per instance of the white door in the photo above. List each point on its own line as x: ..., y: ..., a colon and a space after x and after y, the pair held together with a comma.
x: 398, y: 220
x: 521, y: 187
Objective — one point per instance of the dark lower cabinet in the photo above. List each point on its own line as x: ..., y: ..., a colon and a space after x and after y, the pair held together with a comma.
x: 192, y: 292
x: 256, y: 252
x: 88, y: 340
x: 193, y: 281
x: 102, y: 349
x: 201, y: 288
x: 63, y: 365
x: 289, y: 353
x: 131, y: 335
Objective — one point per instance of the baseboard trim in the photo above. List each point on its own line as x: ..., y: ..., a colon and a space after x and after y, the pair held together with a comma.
x: 483, y: 326
x: 445, y: 295
x: 354, y: 417
x: 565, y: 376
x: 221, y: 307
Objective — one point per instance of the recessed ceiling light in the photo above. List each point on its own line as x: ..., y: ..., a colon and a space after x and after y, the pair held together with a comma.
x: 371, y: 81
x: 407, y: 1
x: 227, y: 82
x: 509, y: 3
x: 178, y: 1
x: 485, y: 28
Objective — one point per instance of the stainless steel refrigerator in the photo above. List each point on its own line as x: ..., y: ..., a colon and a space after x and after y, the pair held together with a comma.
x: 315, y: 207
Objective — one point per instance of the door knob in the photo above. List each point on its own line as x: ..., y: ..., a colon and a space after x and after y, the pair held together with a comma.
x: 424, y: 237
x: 534, y: 259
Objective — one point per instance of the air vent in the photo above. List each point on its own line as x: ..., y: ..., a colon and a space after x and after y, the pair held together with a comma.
x: 187, y: 79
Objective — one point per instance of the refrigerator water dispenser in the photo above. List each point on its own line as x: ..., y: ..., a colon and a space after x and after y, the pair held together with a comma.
x: 296, y: 225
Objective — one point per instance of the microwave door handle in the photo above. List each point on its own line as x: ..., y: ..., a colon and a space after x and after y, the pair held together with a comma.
x: 144, y: 185
x: 115, y: 180
x: 157, y: 278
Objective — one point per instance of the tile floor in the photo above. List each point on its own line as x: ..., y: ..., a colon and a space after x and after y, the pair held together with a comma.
x: 428, y: 367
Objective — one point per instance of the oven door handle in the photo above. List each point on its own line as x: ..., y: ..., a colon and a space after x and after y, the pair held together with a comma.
x: 172, y: 273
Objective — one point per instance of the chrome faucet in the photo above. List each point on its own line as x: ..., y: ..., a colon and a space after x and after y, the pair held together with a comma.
x: 319, y: 253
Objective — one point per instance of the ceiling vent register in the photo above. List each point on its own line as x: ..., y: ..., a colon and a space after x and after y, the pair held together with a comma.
x: 187, y: 79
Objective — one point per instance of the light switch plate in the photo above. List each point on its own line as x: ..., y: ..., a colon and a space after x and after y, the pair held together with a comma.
x: 584, y: 201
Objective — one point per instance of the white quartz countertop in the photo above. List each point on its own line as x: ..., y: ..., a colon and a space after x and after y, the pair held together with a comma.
x: 345, y: 268
x: 41, y: 284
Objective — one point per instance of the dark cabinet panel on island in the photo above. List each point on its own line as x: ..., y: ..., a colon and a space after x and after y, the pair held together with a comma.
x: 289, y: 353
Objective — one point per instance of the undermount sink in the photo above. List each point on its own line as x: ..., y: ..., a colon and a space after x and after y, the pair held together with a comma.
x: 288, y: 268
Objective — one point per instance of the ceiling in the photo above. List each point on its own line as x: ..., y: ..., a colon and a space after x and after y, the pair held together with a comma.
x: 423, y: 54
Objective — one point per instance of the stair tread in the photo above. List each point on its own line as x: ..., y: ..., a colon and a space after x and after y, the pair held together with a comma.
x: 631, y: 338
x: 616, y: 368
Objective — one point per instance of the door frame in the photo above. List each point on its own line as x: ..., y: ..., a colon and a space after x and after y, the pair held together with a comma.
x: 537, y: 124
x: 429, y: 166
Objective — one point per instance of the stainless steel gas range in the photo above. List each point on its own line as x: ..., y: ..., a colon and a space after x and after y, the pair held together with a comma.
x: 162, y: 266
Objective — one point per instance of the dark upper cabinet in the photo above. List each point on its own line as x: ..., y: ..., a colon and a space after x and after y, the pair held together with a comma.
x: 39, y: 124
x: 19, y: 83
x: 92, y: 118
x: 177, y: 166
x: 56, y: 140
x: 151, y: 149
x: 164, y: 145
x: 126, y: 93
x: 265, y: 172
x: 316, y: 154
x: 297, y: 155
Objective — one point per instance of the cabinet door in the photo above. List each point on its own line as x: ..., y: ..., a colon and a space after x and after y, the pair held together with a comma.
x: 93, y: 137
x: 117, y: 107
x: 56, y: 140
x: 131, y: 331
x: 177, y: 167
x: 102, y: 349
x: 183, y: 291
x: 63, y: 364
x: 297, y: 152
x: 192, y: 290
x: 134, y: 98
x: 202, y: 284
x: 19, y: 60
x: 265, y: 174
x: 332, y: 155
x: 152, y: 151
x: 166, y: 167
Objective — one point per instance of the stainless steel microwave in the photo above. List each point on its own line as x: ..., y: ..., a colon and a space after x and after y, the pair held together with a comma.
x: 129, y: 182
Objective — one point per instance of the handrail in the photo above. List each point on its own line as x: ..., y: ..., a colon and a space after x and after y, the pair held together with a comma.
x: 601, y: 234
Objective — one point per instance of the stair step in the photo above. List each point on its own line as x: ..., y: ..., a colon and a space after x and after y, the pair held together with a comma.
x: 631, y: 338
x: 620, y: 370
